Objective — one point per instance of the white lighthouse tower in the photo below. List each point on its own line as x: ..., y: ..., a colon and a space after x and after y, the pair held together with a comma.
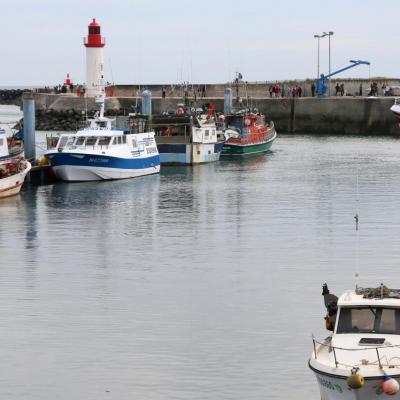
x: 94, y: 44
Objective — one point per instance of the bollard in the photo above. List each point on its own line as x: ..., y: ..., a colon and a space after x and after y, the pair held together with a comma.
x: 228, y: 101
x: 28, y: 104
x: 146, y: 103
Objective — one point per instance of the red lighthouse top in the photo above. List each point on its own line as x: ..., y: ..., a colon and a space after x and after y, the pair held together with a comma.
x: 94, y: 38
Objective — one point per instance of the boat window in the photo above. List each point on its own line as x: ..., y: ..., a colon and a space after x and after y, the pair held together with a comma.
x: 71, y: 140
x: 1, y: 142
x: 369, y: 320
x: 235, y: 124
x: 134, y: 143
x: 63, y: 141
x: 207, y: 132
x: 91, y: 140
x: 102, y: 124
x: 104, y: 140
x: 124, y: 139
x: 80, y: 140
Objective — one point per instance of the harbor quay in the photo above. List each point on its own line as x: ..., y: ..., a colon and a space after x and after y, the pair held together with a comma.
x: 328, y: 115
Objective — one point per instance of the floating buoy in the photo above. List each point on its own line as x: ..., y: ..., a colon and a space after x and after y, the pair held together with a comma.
x: 390, y: 386
x: 355, y: 381
x: 247, y: 122
x: 43, y: 160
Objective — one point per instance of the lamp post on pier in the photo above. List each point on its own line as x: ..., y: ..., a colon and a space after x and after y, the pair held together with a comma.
x: 329, y: 34
x: 319, y: 37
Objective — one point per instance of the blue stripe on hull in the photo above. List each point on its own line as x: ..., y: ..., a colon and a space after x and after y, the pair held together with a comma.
x: 173, y: 158
x: 171, y: 148
x: 86, y: 160
x: 218, y: 147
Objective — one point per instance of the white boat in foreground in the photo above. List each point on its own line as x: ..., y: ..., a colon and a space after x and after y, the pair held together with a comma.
x: 100, y: 152
x: 360, y: 360
x: 13, y: 169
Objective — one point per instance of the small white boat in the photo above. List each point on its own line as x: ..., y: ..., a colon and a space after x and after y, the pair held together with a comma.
x: 13, y: 169
x: 100, y: 152
x: 396, y: 108
x: 360, y: 360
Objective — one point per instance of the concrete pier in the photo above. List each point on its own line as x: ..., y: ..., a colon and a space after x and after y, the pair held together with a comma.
x: 331, y: 115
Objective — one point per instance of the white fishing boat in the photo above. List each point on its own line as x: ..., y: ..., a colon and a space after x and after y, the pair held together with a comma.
x: 396, y: 108
x: 101, y: 152
x: 360, y: 360
x: 13, y: 169
x: 188, y: 137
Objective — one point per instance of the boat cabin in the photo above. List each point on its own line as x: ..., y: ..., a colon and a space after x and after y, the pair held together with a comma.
x: 243, y: 123
x: 3, y: 144
x: 369, y: 311
x: 10, y: 146
x: 88, y: 140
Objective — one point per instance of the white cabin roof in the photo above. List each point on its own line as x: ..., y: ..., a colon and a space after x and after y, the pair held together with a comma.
x: 351, y: 299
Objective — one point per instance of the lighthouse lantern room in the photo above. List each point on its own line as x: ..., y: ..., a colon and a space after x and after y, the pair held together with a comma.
x: 94, y: 44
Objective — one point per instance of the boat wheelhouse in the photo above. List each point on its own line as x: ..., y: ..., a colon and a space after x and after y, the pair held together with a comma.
x: 360, y: 360
x: 247, y: 133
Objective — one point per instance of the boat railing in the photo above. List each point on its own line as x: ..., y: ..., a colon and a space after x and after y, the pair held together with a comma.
x: 377, y: 350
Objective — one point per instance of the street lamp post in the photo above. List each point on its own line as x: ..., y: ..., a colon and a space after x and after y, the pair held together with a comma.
x: 329, y: 34
x: 319, y: 37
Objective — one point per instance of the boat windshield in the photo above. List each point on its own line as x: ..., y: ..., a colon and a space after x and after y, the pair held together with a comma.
x: 369, y: 320
x: 235, y: 123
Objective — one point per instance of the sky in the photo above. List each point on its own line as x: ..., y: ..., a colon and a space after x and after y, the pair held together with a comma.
x: 207, y: 41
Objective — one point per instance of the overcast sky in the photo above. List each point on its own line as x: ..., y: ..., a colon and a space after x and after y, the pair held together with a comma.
x: 163, y: 41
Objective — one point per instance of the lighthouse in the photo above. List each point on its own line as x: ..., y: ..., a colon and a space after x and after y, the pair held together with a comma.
x: 94, y: 44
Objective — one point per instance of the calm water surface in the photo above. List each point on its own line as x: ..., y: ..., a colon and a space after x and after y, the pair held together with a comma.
x: 198, y: 283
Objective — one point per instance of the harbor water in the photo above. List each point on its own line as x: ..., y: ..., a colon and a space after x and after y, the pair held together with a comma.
x: 199, y: 283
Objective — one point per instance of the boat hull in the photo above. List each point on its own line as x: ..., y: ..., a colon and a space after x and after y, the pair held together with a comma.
x: 85, y: 167
x: 236, y: 148
x: 336, y: 388
x: 189, y: 153
x: 241, y: 150
x: 11, y: 185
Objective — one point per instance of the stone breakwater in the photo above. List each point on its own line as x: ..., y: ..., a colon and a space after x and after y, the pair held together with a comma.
x: 334, y: 115
x: 64, y: 120
x: 11, y: 96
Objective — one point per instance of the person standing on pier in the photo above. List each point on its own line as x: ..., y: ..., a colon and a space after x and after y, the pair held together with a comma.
x: 313, y: 89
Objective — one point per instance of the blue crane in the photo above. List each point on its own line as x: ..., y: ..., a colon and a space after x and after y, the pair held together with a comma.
x: 321, y: 82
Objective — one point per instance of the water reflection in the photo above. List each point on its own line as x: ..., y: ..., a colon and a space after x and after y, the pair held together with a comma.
x: 198, y: 276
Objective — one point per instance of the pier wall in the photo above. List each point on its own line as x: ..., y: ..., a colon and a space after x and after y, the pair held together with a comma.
x: 254, y: 89
x: 334, y: 115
